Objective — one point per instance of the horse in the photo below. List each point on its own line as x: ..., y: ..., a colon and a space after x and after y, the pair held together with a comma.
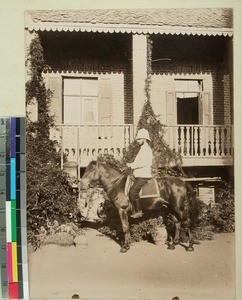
x: 176, y: 203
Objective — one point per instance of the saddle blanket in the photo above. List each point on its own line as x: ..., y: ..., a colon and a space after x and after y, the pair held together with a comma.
x: 150, y: 189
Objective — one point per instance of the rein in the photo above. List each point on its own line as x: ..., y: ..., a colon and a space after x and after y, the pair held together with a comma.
x: 115, y: 184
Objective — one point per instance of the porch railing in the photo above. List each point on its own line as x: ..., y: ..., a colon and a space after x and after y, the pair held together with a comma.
x: 201, y: 140
x: 82, y: 143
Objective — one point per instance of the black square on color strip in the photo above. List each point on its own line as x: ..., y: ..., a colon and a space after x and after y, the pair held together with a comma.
x: 18, y: 181
x: 19, y: 238
x: 19, y: 254
x: 18, y: 217
x: 17, y: 144
x: 17, y: 162
x: 20, y: 272
x: 20, y: 290
x: 17, y: 126
x: 18, y: 205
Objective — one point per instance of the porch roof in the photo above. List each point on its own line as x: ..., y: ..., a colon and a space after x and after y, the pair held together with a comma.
x: 205, y: 21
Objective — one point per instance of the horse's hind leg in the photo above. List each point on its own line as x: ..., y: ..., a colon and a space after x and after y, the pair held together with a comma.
x: 169, y: 238
x: 126, y: 230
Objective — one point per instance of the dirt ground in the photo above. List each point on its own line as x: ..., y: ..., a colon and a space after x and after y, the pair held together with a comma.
x: 97, y: 270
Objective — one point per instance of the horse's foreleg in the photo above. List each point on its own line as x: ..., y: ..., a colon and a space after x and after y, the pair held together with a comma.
x: 126, y: 229
x: 177, y: 233
x: 190, y: 239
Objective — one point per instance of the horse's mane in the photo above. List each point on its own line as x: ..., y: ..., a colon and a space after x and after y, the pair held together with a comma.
x: 121, y: 178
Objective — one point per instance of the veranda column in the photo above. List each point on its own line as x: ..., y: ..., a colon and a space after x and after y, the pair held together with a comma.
x: 139, y: 73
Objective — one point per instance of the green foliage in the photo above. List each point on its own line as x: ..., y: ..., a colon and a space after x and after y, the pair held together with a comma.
x: 219, y: 217
x: 49, y: 193
x: 164, y: 157
x: 145, y: 230
x: 222, y: 214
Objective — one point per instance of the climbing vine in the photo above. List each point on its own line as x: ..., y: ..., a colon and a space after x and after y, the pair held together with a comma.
x: 50, y: 197
x: 165, y: 159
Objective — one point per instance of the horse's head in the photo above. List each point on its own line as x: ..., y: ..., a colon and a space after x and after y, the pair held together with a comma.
x: 91, y: 175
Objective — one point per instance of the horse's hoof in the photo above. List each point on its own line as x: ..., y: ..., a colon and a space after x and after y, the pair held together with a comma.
x: 123, y: 250
x: 127, y: 247
x: 171, y: 247
x: 190, y: 249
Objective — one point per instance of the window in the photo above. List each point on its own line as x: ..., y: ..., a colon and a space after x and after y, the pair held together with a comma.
x: 80, y: 100
x: 188, y: 97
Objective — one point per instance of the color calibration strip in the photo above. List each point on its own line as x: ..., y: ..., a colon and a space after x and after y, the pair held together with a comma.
x: 13, y: 223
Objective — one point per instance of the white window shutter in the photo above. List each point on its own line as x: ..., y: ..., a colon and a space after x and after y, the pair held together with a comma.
x: 55, y: 85
x: 205, y: 109
x: 105, y: 101
x: 171, y: 110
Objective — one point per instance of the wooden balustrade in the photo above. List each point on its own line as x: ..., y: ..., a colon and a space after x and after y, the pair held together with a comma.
x: 83, y: 143
x: 201, y: 140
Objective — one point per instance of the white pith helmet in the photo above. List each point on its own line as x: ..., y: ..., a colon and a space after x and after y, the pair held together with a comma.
x: 143, y: 134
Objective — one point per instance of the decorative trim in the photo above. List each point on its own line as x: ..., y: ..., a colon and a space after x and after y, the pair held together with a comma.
x: 122, y: 28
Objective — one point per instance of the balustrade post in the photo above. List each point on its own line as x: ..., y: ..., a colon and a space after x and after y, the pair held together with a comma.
x: 222, y: 141
x: 202, y: 141
x: 229, y: 141
x: 216, y: 152
x: 195, y: 141
x: 182, y: 141
x: 188, y: 140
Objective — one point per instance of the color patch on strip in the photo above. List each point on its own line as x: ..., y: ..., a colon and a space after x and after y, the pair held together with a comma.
x: 13, y: 138
x: 8, y: 221
x: 13, y: 178
x: 9, y: 262
x: 13, y: 290
x: 14, y: 262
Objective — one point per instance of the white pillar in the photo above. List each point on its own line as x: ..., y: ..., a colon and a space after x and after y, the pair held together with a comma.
x: 139, y: 73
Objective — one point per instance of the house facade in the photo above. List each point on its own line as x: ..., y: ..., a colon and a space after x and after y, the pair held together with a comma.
x: 97, y: 66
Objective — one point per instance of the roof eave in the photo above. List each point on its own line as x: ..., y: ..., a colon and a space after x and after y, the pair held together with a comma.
x: 125, y: 28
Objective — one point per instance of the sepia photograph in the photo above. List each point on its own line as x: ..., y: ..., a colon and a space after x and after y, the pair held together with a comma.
x: 130, y: 153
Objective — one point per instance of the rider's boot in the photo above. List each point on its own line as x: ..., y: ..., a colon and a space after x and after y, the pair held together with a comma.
x: 137, y: 212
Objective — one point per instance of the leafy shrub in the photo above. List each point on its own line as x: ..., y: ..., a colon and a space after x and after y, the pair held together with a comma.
x: 222, y: 214
x: 50, y: 196
x: 219, y: 217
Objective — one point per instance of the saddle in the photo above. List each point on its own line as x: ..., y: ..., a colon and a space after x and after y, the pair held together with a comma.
x: 150, y: 189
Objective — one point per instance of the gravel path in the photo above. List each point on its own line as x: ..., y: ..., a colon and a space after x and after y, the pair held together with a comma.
x: 97, y: 270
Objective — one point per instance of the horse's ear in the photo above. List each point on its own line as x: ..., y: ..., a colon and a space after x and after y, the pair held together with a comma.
x: 98, y: 161
x: 94, y: 162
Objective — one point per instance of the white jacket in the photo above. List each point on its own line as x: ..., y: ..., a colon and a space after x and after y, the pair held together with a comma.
x: 143, y: 162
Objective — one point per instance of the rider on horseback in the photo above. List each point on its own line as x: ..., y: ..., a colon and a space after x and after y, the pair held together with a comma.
x: 142, y: 170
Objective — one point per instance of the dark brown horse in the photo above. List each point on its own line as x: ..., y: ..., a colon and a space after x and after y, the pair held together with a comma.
x: 174, y: 204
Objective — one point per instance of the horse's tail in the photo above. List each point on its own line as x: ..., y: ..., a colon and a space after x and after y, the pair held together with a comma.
x: 193, y: 205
